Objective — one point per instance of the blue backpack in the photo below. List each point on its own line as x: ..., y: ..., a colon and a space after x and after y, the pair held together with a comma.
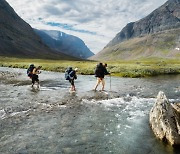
x: 70, y: 74
x: 67, y: 73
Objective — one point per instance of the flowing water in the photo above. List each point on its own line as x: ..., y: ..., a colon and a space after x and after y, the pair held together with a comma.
x: 52, y: 120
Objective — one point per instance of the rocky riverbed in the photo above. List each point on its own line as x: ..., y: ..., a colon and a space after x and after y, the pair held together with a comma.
x: 52, y: 120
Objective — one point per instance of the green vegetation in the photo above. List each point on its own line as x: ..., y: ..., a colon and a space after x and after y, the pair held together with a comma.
x: 134, y: 68
x: 85, y: 67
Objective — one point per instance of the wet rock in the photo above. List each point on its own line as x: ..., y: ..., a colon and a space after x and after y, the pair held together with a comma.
x: 2, y: 114
x: 165, y: 120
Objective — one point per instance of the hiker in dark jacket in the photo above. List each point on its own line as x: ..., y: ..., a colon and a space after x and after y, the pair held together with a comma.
x: 100, y: 72
x: 35, y: 77
x: 70, y: 75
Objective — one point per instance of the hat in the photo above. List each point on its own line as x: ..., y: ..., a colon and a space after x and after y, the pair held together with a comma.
x: 70, y: 68
x: 76, y: 69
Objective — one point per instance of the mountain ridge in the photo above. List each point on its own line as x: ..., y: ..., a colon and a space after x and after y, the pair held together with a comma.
x: 18, y: 38
x: 129, y: 43
x: 65, y: 43
x: 156, y: 21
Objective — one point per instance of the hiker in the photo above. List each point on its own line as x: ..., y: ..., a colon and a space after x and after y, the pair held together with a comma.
x: 30, y: 70
x: 100, y: 72
x: 70, y: 75
x: 35, y: 77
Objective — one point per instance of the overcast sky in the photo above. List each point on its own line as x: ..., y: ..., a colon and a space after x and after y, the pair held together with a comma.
x: 96, y: 22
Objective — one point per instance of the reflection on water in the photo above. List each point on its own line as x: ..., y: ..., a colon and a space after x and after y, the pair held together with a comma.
x: 52, y: 120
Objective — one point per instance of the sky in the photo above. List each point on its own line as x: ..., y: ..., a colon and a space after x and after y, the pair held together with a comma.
x: 96, y: 22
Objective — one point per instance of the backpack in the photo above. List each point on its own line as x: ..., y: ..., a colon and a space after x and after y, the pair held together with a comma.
x: 30, y: 70
x: 99, y: 71
x: 72, y: 75
x: 67, y: 72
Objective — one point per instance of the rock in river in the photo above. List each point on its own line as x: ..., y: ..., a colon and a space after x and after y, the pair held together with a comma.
x: 165, y: 120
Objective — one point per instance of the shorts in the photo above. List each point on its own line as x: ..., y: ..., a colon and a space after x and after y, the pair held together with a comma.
x: 35, y: 78
x: 99, y: 80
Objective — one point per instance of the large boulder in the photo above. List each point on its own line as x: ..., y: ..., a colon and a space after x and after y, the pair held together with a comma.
x: 165, y: 120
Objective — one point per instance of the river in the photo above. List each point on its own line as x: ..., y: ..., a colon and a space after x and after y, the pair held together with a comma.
x: 52, y: 120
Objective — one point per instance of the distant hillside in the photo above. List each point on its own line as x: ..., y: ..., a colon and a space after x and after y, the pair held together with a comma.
x: 162, y: 45
x: 157, y: 35
x: 64, y: 43
x: 17, y: 38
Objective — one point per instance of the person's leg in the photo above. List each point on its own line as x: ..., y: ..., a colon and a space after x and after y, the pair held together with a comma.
x: 103, y: 83
x: 97, y: 84
x: 38, y: 85
x: 74, y: 89
x: 33, y: 81
x: 73, y: 86
x: 32, y: 84
x: 37, y: 80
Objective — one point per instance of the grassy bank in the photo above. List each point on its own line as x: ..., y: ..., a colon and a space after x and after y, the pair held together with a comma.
x: 140, y: 68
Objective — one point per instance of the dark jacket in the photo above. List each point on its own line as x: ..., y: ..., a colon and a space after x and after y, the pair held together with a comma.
x: 100, y: 71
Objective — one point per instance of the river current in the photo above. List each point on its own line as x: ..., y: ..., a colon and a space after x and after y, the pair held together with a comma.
x: 52, y: 120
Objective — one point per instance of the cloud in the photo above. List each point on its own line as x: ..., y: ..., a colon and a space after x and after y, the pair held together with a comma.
x: 96, y: 22
x: 69, y: 27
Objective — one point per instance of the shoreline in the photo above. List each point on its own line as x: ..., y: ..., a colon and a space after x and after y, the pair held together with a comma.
x: 130, y: 69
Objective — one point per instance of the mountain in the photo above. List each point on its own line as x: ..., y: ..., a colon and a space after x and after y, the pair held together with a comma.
x: 156, y: 35
x: 18, y: 39
x: 64, y: 43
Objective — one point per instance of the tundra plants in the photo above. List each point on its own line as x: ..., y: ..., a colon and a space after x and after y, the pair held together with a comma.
x: 135, y: 68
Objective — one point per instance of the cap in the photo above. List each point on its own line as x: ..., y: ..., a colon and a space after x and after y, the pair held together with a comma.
x: 76, y: 69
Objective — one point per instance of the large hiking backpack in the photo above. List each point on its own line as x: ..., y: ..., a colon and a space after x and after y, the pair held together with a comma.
x: 67, y: 72
x: 72, y: 75
x: 99, y: 71
x: 30, y: 70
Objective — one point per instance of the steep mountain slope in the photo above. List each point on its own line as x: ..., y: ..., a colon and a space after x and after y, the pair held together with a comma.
x: 67, y: 44
x: 17, y: 38
x: 163, y: 44
x: 157, y: 35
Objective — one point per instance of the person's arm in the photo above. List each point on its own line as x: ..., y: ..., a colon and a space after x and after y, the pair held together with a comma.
x: 75, y: 76
x: 105, y: 71
x: 34, y: 71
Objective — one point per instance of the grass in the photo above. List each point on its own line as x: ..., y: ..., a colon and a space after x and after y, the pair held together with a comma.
x: 134, y: 68
x: 85, y: 67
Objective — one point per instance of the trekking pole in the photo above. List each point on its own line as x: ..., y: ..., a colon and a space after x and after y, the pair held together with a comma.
x: 110, y: 81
